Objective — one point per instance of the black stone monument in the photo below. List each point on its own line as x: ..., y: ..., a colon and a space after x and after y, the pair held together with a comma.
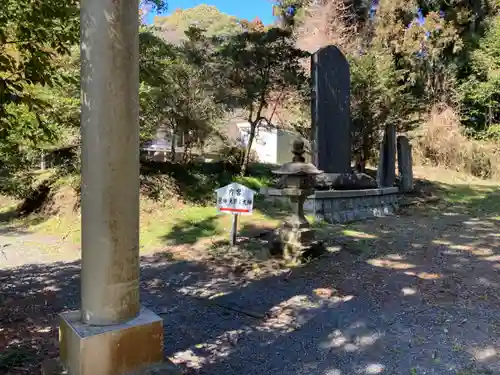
x: 331, y: 118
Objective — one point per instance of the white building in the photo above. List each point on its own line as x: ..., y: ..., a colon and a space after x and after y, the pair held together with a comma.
x: 272, y: 145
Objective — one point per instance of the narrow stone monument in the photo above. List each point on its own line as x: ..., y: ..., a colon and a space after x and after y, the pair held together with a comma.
x: 111, y: 334
x: 330, y: 107
x: 386, y: 172
x: 405, y: 164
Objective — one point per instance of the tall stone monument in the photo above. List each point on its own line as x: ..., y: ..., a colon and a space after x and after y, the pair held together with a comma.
x: 111, y: 334
x: 386, y: 172
x: 405, y: 163
x: 331, y: 118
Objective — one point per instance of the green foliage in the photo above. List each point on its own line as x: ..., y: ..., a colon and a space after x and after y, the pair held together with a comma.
x: 198, y: 64
x: 32, y: 34
x: 232, y: 157
x: 480, y: 92
x: 422, y: 64
x: 378, y: 99
x: 178, y: 87
x: 259, y: 64
x: 39, y: 75
x: 291, y: 19
x: 253, y: 182
x: 259, y: 67
x: 467, y: 17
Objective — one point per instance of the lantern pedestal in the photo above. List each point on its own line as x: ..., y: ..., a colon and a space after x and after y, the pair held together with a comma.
x: 295, y: 239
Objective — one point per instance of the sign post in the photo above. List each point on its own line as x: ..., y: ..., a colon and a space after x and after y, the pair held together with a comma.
x: 235, y: 199
x: 234, y: 229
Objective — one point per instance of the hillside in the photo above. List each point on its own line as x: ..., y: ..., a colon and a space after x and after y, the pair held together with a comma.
x: 206, y: 17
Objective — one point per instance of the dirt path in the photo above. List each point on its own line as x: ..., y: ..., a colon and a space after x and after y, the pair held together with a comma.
x: 21, y: 248
x: 411, y: 294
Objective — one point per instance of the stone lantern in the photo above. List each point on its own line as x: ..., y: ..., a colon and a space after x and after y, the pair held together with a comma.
x: 295, y: 237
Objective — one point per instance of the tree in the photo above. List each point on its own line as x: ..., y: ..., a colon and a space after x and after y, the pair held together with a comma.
x: 480, y: 92
x: 378, y: 100
x: 293, y: 13
x: 254, y: 25
x: 469, y: 18
x: 33, y: 38
x: 38, y: 87
x: 260, y: 67
x: 178, y: 89
x: 32, y: 33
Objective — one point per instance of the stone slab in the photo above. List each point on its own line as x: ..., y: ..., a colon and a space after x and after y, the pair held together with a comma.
x: 332, y: 193
x: 110, y: 350
x: 354, y: 193
x: 285, y: 192
x: 345, y: 181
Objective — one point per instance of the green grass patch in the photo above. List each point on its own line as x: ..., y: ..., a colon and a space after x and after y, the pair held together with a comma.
x: 471, y: 199
x: 160, y: 225
x: 254, y: 183
x: 178, y: 204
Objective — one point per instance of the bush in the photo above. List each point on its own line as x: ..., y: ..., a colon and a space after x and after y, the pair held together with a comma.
x: 232, y: 157
x: 254, y: 183
x: 440, y: 142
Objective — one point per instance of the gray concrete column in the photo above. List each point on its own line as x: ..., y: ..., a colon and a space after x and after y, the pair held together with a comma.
x: 110, y: 161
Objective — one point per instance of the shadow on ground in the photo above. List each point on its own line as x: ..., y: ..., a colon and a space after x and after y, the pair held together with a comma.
x: 411, y: 294
x: 414, y: 294
x: 189, y: 232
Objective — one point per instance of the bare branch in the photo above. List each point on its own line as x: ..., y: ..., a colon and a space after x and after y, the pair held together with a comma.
x: 327, y: 22
x: 278, y: 101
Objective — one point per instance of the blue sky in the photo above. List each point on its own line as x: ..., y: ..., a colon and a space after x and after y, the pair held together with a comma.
x: 240, y: 8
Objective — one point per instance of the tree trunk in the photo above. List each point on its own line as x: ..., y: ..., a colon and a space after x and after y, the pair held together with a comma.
x: 246, y: 158
x: 360, y: 164
x: 188, y: 146
x: 366, y: 146
x: 173, y: 141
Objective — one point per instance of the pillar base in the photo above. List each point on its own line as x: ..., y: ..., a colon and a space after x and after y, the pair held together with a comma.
x: 131, y: 348
x: 56, y: 367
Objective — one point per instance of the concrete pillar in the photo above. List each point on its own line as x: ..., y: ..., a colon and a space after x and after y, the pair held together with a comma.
x: 112, y: 334
x: 110, y: 160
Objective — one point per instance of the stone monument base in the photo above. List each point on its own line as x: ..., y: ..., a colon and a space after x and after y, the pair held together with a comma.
x: 345, y: 181
x: 346, y: 205
x: 132, y: 348
x: 352, y: 205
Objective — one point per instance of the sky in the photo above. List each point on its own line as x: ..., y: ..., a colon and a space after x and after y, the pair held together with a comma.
x: 240, y: 8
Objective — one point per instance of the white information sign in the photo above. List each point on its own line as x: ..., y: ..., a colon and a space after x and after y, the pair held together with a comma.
x: 235, y: 198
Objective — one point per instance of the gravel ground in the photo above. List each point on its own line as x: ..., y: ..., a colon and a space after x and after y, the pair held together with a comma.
x: 19, y: 248
x: 412, y: 294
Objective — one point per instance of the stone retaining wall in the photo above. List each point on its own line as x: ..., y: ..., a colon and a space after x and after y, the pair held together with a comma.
x: 341, y: 206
